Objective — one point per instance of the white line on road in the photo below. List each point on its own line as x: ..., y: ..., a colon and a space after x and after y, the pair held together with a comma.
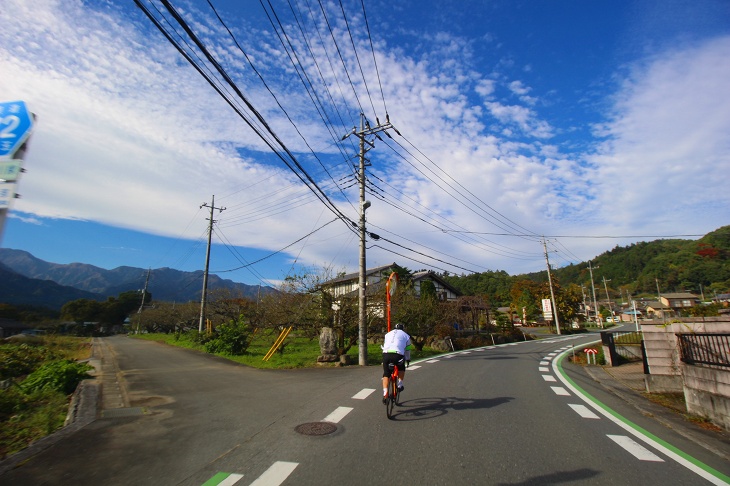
x: 544, y: 363
x: 583, y: 411
x: 432, y: 361
x: 544, y: 369
x: 559, y: 390
x: 363, y: 394
x: 276, y: 474
x: 548, y: 378
x: 338, y: 414
x: 635, y: 449
x: 231, y: 480
x: 413, y: 367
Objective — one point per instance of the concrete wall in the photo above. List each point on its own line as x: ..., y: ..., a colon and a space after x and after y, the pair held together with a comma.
x: 707, y: 393
x: 662, y: 349
x: 706, y: 388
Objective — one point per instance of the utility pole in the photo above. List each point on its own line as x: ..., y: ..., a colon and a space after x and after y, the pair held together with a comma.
x: 203, y: 299
x: 583, y: 291
x: 141, y: 304
x: 550, y: 281
x: 365, y: 145
x: 659, y: 294
x: 608, y: 299
x: 593, y: 288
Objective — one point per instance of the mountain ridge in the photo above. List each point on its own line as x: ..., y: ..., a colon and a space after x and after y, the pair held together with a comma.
x: 165, y: 284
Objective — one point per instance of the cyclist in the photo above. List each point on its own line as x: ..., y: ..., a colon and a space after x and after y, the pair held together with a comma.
x: 394, y: 350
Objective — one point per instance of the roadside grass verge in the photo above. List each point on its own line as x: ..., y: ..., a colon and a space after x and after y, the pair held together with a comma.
x: 297, y: 352
x: 37, y: 375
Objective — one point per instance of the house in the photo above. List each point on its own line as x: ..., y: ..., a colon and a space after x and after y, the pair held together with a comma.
x: 375, y: 279
x: 679, y: 301
x: 657, y: 310
x: 444, y: 291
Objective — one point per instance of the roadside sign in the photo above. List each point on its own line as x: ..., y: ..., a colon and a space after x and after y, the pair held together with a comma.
x: 16, y: 123
x: 7, y: 193
x: 9, y: 170
x: 547, y: 309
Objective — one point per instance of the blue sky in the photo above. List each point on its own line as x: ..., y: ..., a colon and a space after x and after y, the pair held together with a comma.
x: 595, y: 124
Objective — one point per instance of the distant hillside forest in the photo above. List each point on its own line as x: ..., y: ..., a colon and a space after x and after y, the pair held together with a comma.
x: 701, y: 267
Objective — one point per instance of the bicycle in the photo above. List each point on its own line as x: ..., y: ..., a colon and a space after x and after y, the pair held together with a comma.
x: 391, y: 398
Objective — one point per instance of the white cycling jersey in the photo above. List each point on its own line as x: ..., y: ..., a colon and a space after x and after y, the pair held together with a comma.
x: 396, y: 341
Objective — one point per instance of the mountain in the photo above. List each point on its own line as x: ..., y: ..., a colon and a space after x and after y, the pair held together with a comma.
x: 19, y: 290
x: 165, y: 284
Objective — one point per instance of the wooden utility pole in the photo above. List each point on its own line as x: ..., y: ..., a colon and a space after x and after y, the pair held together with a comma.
x: 550, y: 281
x: 203, y: 299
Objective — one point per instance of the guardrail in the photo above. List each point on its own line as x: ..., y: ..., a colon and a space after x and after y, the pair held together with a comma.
x: 705, y: 348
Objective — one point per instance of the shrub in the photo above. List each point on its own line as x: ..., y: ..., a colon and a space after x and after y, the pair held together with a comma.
x: 232, y: 338
x: 62, y: 376
x: 20, y: 359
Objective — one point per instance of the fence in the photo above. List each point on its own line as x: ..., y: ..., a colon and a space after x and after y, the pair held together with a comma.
x: 623, y: 347
x: 705, y: 348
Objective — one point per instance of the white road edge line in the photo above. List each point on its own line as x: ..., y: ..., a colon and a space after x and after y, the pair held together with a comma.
x: 276, y: 474
x: 635, y: 449
x: 628, y: 428
x: 337, y: 415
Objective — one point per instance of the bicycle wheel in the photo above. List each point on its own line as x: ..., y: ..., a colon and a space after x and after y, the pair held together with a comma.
x: 392, y: 397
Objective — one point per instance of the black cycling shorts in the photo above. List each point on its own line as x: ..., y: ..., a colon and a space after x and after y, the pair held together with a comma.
x: 396, y: 358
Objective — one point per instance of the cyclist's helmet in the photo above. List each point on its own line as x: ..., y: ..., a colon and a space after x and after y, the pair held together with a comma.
x: 399, y: 326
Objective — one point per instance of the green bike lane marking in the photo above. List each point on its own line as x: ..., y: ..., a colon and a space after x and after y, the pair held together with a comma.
x: 694, y: 465
x: 223, y: 478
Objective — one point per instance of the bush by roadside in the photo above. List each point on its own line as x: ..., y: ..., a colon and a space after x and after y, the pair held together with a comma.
x: 37, y: 379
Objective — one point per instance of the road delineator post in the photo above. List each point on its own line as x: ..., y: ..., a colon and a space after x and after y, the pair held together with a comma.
x: 277, y: 344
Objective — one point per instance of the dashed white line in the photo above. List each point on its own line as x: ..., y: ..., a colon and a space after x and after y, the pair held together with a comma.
x: 544, y: 369
x: 432, y: 361
x: 583, y: 411
x: 548, y: 378
x: 559, y: 390
x: 635, y: 449
x: 338, y: 414
x: 363, y: 394
x: 413, y: 367
x: 544, y: 363
x: 231, y: 480
x: 276, y: 474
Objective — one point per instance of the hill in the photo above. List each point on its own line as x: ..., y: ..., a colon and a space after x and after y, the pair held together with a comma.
x: 674, y: 265
x: 165, y: 284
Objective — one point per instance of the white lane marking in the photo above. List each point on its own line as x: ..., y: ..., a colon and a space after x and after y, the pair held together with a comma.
x: 432, y: 361
x: 466, y: 352
x: 552, y: 354
x: 276, y: 474
x: 231, y: 479
x: 634, y: 448
x: 548, y: 378
x: 547, y: 358
x: 413, y: 367
x: 544, y: 369
x: 337, y: 415
x: 363, y: 394
x: 583, y: 411
x: 544, y: 363
x: 559, y: 390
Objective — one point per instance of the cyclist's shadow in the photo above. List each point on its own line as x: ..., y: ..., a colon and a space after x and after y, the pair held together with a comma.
x: 428, y: 408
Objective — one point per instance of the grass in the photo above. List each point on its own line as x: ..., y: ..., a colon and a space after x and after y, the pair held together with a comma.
x: 298, y: 351
x: 27, y: 417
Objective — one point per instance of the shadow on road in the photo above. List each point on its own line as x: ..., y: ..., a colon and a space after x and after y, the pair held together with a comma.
x: 556, y: 478
x: 428, y: 408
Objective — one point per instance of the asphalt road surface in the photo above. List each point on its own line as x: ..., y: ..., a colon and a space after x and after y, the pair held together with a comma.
x: 504, y: 415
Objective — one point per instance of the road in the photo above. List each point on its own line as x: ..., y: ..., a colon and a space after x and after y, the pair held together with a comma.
x: 504, y: 415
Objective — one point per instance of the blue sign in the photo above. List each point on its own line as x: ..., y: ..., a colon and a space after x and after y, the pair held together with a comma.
x: 15, y: 126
